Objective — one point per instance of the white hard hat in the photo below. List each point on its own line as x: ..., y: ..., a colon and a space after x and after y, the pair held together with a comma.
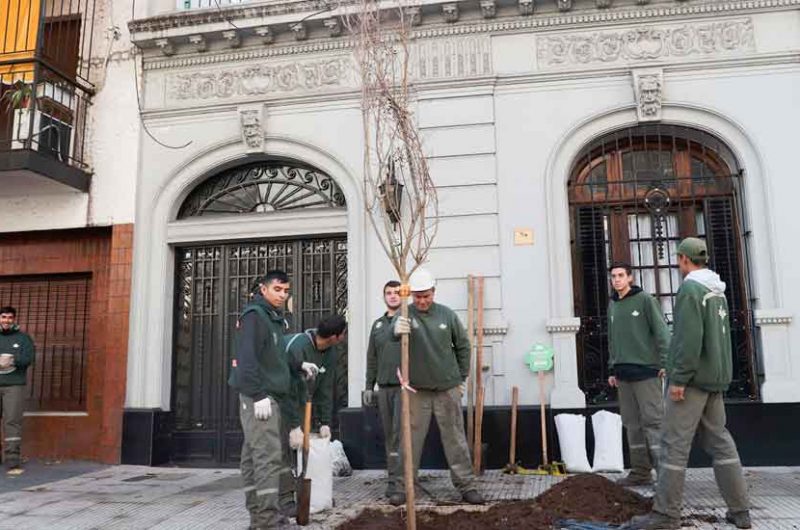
x: 421, y: 280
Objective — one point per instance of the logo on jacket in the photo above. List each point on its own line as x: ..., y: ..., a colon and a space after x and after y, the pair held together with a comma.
x: 442, y: 326
x: 275, y: 338
x: 378, y: 324
x: 635, y: 313
x: 414, y: 323
x: 16, y: 345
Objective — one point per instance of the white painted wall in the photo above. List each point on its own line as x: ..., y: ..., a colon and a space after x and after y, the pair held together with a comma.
x: 500, y: 148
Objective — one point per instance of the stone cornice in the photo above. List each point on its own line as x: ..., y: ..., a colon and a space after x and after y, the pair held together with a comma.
x: 510, y: 24
x: 568, y: 325
x: 773, y: 317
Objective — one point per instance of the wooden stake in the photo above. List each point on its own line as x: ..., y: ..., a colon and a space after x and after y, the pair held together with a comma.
x: 408, y: 464
x: 476, y: 465
x: 476, y: 454
x: 471, y: 376
x: 542, y: 417
x: 512, y: 452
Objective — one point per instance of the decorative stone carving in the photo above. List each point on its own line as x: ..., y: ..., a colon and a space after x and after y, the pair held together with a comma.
x: 267, y: 37
x: 300, y: 31
x: 199, y: 42
x: 603, y: 4
x: 260, y: 80
x: 233, y: 38
x: 333, y: 25
x: 166, y: 46
x: 642, y: 2
x: 648, y: 43
x: 251, y: 119
x: 415, y: 15
x: 450, y: 12
x: 525, y: 7
x: 648, y: 87
x: 456, y: 57
x: 488, y: 8
x: 564, y: 5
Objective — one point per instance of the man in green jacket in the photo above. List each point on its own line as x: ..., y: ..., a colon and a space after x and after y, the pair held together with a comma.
x: 317, y: 346
x: 261, y: 373
x: 439, y: 360
x: 638, y: 342
x: 16, y: 354
x: 383, y: 360
x: 699, y: 371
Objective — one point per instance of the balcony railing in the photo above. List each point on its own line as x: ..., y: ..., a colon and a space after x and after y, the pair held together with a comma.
x: 45, y: 90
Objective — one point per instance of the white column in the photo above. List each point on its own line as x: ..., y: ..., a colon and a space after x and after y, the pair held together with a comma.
x: 781, y: 364
x: 566, y: 392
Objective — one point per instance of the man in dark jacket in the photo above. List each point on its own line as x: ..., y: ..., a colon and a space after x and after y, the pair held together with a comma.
x: 318, y: 346
x: 383, y: 360
x: 638, y: 342
x: 261, y: 373
x: 16, y: 354
x: 438, y: 367
x: 699, y: 370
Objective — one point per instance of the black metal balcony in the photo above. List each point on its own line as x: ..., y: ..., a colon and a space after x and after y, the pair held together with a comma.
x: 45, y: 91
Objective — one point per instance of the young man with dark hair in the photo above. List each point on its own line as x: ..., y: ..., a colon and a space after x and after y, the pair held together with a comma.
x: 317, y: 346
x: 261, y: 373
x: 16, y: 354
x: 638, y: 342
x: 699, y: 370
x: 383, y: 360
x: 438, y: 368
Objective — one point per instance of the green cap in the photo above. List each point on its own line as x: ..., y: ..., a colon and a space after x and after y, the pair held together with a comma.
x: 693, y: 248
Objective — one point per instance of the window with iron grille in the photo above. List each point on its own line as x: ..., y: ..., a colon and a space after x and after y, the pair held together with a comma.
x: 634, y: 194
x: 54, y: 311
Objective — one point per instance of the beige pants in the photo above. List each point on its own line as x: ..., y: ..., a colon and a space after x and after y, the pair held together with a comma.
x: 445, y: 406
x: 641, y: 404
x: 703, y: 413
x: 12, y: 404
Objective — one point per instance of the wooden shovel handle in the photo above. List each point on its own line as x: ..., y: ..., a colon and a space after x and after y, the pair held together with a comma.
x: 306, y: 428
x: 512, y: 453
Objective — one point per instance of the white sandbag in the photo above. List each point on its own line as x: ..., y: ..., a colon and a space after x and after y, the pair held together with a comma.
x: 321, y: 474
x: 341, y: 465
x: 572, y: 441
x: 607, y: 428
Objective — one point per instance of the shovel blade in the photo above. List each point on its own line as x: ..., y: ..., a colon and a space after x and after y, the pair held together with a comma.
x: 304, y: 502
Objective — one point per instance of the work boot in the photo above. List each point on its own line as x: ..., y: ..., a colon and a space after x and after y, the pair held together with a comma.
x: 397, y: 498
x: 632, y: 481
x: 652, y: 521
x: 739, y: 519
x: 473, y: 497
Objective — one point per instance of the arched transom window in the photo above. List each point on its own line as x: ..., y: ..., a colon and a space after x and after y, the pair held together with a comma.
x: 261, y: 187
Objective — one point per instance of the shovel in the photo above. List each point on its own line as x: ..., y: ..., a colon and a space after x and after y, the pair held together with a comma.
x: 304, y: 484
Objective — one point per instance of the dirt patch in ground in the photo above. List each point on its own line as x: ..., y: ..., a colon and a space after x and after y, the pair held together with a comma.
x: 582, y: 497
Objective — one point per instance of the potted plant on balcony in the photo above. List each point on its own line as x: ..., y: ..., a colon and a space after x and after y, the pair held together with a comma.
x: 19, y: 95
x: 17, y: 102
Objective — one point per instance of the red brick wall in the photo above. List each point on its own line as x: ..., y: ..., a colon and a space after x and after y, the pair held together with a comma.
x: 106, y: 253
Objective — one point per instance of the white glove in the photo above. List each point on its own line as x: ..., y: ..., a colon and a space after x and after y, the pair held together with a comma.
x: 6, y: 360
x: 296, y: 438
x: 402, y: 326
x: 325, y: 431
x: 263, y: 409
x: 463, y: 387
x: 310, y: 369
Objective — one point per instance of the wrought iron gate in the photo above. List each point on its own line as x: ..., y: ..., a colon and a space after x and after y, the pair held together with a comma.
x: 633, y: 195
x: 212, y: 284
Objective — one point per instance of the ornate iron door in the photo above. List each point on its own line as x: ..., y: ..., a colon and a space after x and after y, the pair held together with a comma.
x: 212, y: 285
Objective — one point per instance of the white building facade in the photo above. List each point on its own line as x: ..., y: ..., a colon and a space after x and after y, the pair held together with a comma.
x: 562, y: 136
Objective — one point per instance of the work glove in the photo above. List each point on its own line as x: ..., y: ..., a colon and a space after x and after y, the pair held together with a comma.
x: 311, y: 370
x: 402, y: 326
x: 368, y: 398
x: 325, y: 431
x: 463, y: 387
x: 296, y: 438
x: 6, y: 360
x: 263, y: 409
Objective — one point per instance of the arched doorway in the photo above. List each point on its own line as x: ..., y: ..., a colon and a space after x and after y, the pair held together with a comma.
x: 212, y: 283
x: 633, y: 195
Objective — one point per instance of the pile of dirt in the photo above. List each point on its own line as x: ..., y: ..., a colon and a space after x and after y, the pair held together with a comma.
x: 581, y: 497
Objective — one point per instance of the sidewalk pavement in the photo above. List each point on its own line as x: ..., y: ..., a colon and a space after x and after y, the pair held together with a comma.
x: 135, y: 497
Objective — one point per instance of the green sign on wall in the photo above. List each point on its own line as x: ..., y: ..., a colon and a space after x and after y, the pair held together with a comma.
x: 540, y: 358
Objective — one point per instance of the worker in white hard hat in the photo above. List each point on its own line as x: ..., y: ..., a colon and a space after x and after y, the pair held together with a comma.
x: 438, y: 367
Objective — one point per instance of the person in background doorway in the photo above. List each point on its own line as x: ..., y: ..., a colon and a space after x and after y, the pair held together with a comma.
x: 699, y: 370
x: 16, y: 354
x: 638, y: 342
x: 383, y: 361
